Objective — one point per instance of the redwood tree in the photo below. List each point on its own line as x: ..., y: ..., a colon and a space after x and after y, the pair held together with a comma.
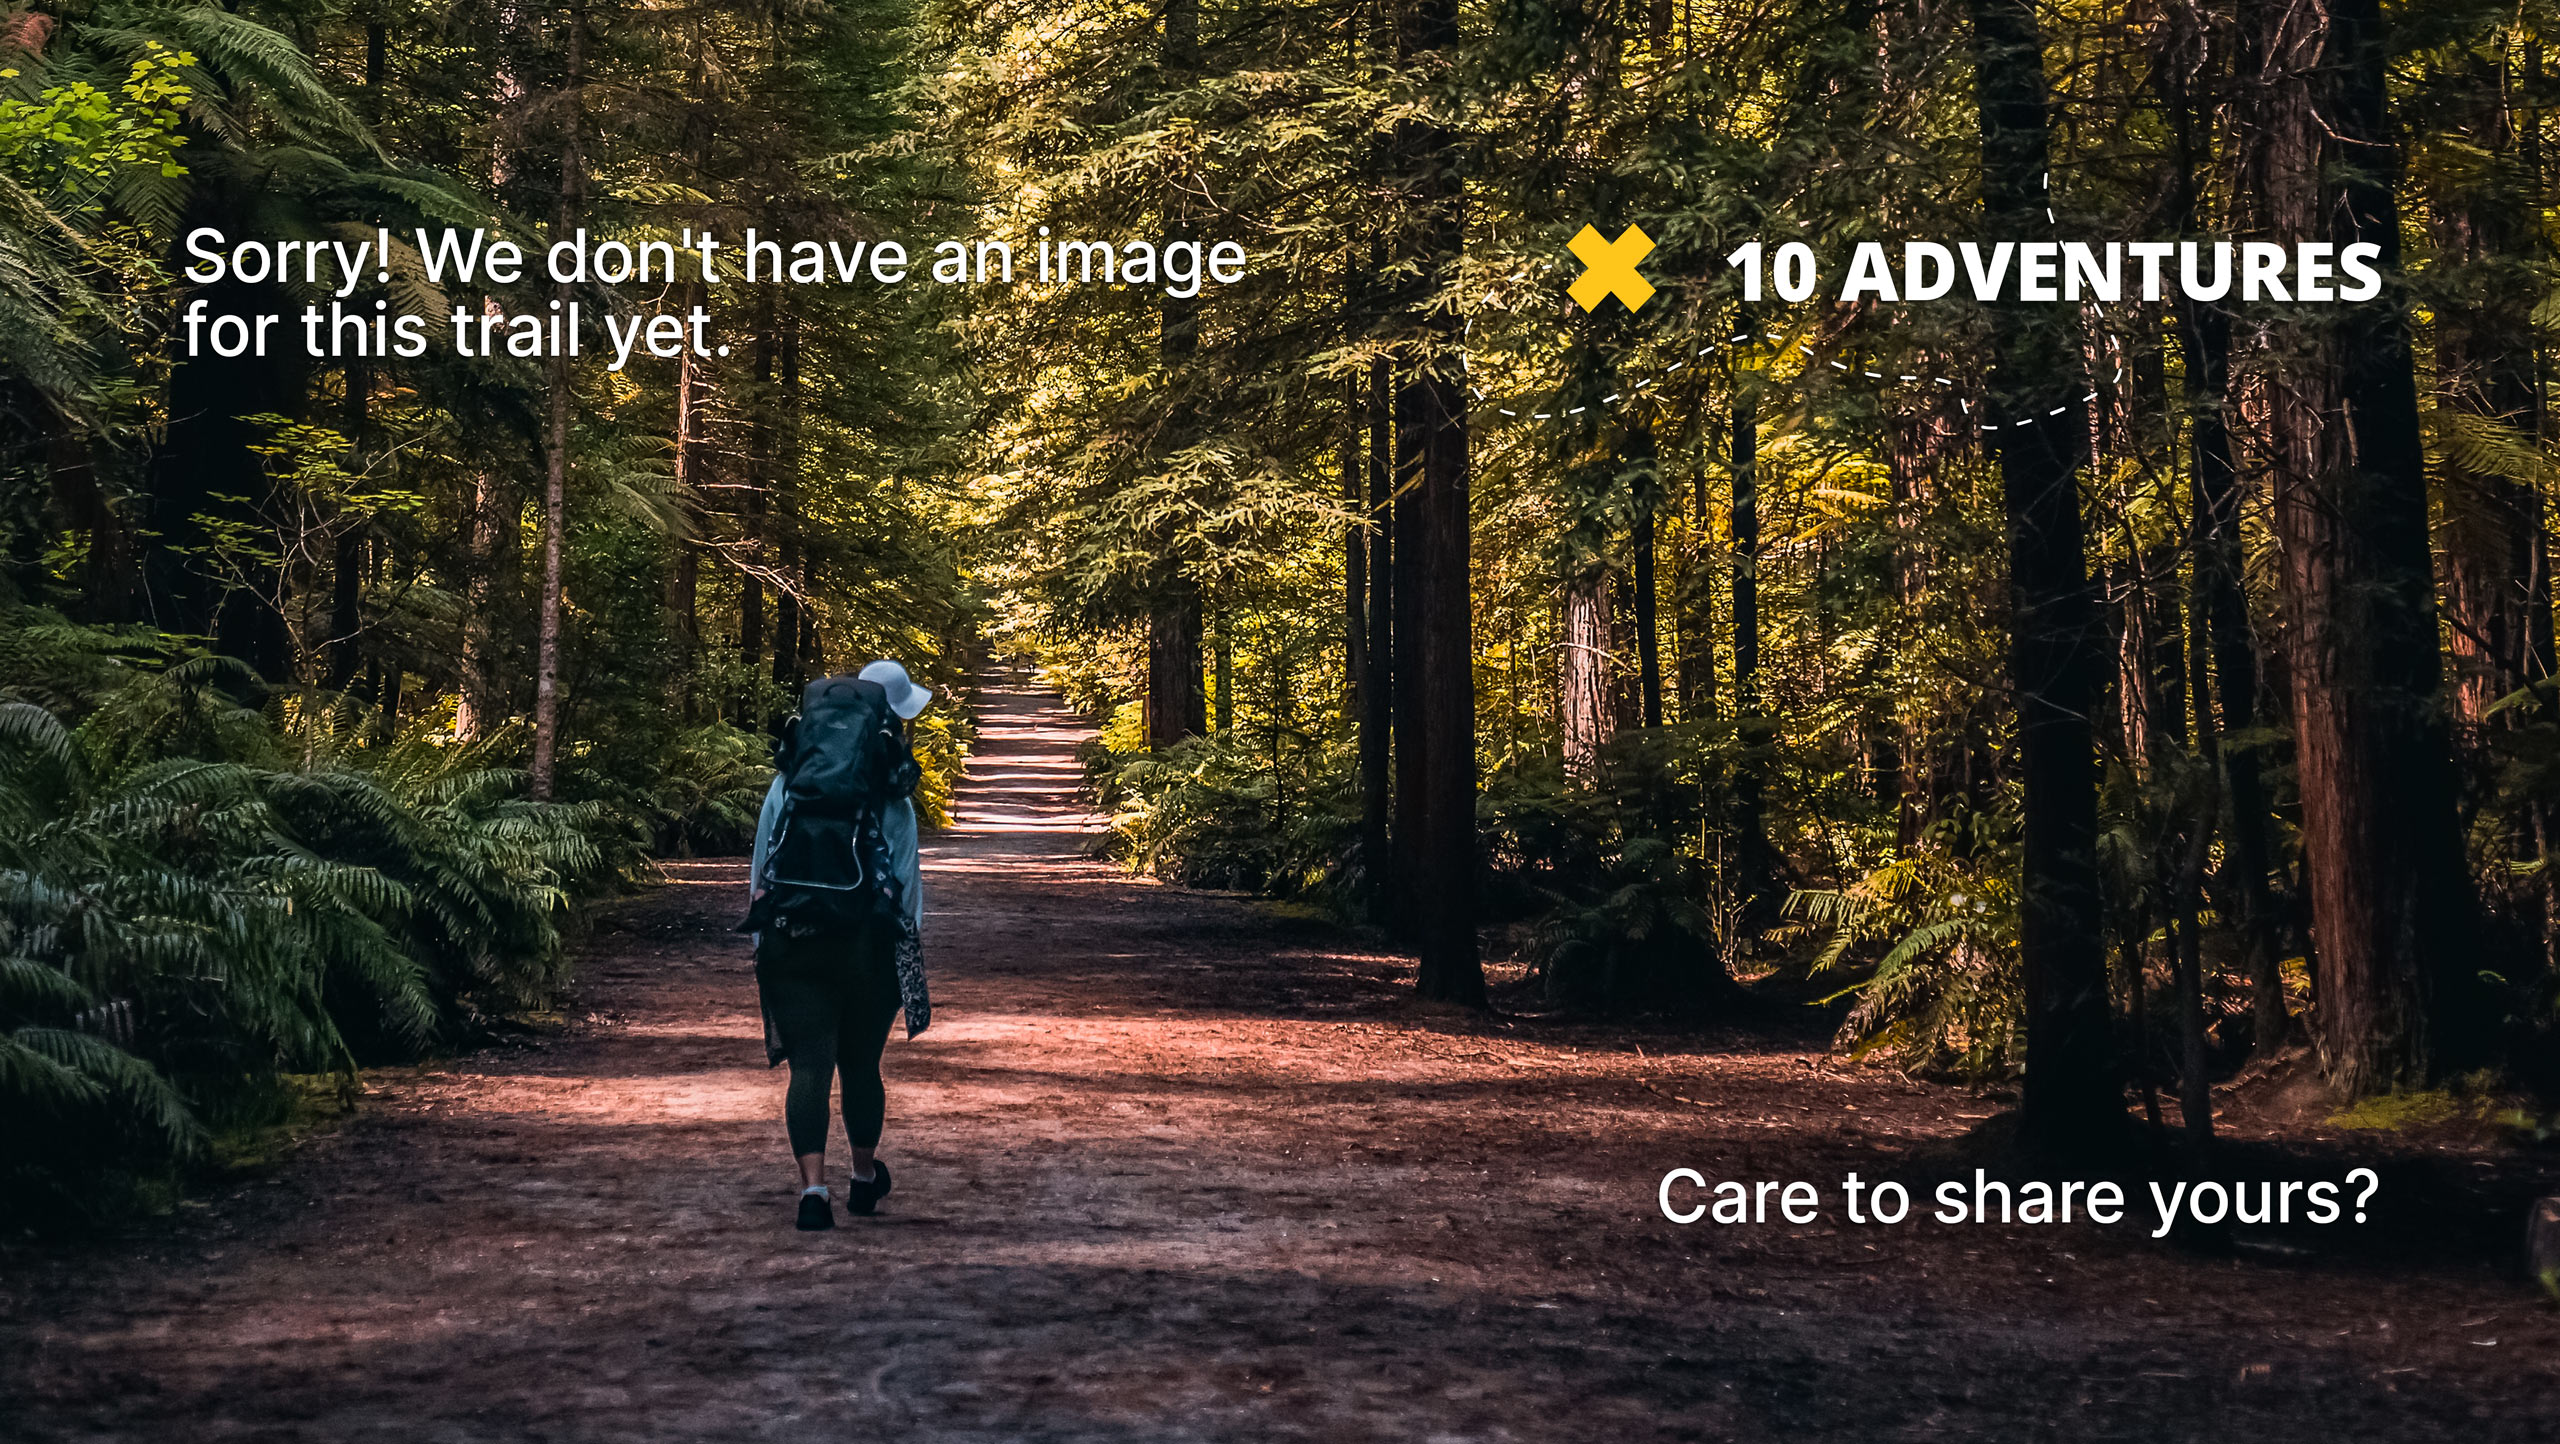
x: 2390, y: 903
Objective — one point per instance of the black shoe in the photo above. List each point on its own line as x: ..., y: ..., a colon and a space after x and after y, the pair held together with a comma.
x: 816, y: 1213
x: 864, y: 1197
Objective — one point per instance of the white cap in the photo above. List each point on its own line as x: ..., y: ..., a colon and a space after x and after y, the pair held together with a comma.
x: 905, y: 697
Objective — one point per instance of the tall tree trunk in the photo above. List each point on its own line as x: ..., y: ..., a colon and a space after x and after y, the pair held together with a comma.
x: 2217, y: 604
x: 813, y: 656
x: 1222, y: 672
x: 754, y: 506
x: 555, y: 492
x: 1431, y: 406
x: 478, y: 697
x: 1410, y: 588
x: 2073, y: 1097
x: 1583, y: 671
x: 692, y: 450
x: 1742, y: 526
x: 1753, y: 879
x: 2150, y: 660
x: 1356, y: 284
x: 205, y: 474
x: 1378, y: 709
x: 1648, y: 622
x: 2497, y: 586
x: 1355, y: 547
x: 1355, y: 562
x: 377, y: 43
x: 1697, y: 589
x: 2219, y: 607
x: 2195, y: 1084
x: 2390, y: 902
x: 346, y: 609
x: 346, y: 563
x: 1175, y: 706
x: 787, y: 673
x: 1592, y: 695
x: 1643, y: 465
x: 2129, y: 947
x: 692, y: 458
x: 1919, y: 441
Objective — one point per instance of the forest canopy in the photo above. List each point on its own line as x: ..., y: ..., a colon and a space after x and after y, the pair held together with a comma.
x: 2090, y: 621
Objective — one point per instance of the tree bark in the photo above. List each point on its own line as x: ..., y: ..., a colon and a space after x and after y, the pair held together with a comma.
x: 2219, y: 605
x: 2497, y: 586
x: 1176, y: 707
x: 754, y: 508
x: 813, y: 656
x: 2218, y: 626
x: 1583, y: 671
x: 1432, y: 420
x: 1648, y: 622
x: 346, y: 574
x: 1697, y: 606
x: 1355, y: 547
x: 2195, y: 1083
x: 1356, y: 284
x: 1920, y: 439
x: 692, y: 456
x: 205, y: 470
x: 555, y: 493
x: 1378, y: 696
x: 1753, y: 879
x: 787, y: 674
x: 692, y: 451
x: 2390, y: 903
x: 478, y: 696
x: 346, y: 562
x: 2072, y: 1098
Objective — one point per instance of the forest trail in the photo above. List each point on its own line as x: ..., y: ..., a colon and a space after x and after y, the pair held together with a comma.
x: 1173, y: 1168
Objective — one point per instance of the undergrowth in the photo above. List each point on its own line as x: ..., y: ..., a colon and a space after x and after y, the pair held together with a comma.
x: 209, y: 887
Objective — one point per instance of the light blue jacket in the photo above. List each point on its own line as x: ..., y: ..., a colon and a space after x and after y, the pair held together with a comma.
x: 897, y: 829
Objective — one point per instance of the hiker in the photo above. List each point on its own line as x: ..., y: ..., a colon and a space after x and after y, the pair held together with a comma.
x: 837, y: 908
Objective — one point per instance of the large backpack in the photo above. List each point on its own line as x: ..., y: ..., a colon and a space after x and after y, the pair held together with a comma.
x: 843, y: 759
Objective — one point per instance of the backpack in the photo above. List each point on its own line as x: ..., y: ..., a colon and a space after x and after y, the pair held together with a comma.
x: 843, y: 759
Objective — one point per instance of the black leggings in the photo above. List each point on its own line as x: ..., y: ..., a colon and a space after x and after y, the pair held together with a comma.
x: 832, y: 1011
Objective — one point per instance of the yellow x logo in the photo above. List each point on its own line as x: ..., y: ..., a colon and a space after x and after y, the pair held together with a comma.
x: 1609, y: 268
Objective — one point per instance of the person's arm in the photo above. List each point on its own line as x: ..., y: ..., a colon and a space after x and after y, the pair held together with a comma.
x: 766, y: 821
x: 898, y: 829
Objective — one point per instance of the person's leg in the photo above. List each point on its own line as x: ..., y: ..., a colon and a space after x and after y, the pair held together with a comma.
x: 805, y: 1011
x: 871, y: 1008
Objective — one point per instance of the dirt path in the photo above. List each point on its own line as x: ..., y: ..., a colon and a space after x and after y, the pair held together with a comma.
x: 1169, y: 1169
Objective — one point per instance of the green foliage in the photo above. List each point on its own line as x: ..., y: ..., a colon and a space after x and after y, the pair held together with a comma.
x: 2401, y: 1112
x: 678, y: 791
x: 196, y: 898
x: 1212, y: 812
x: 1621, y: 875
x: 73, y: 140
x: 1930, y: 939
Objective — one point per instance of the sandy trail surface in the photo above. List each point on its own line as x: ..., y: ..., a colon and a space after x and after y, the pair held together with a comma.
x: 1171, y: 1167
